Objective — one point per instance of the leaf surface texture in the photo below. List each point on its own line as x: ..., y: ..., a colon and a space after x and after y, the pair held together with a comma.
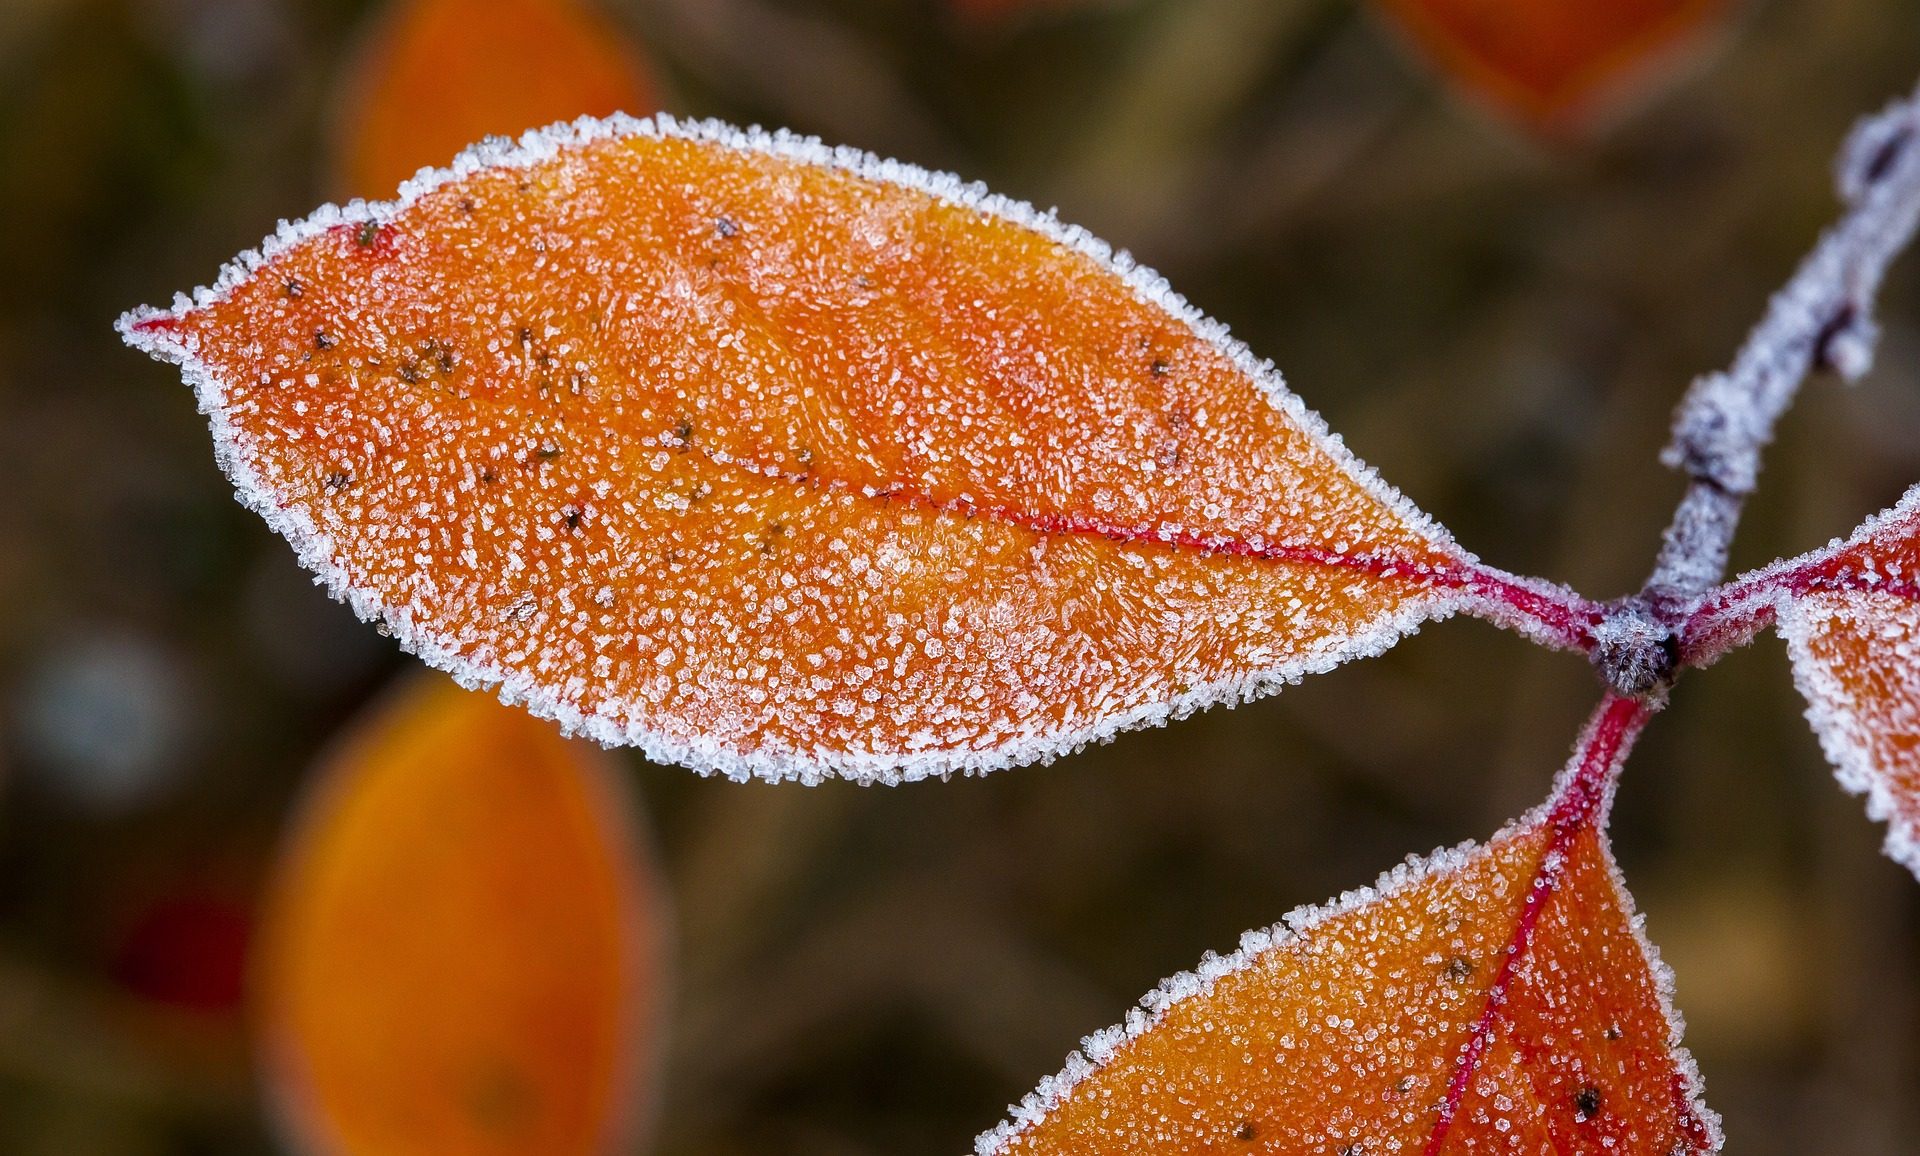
x: 780, y: 460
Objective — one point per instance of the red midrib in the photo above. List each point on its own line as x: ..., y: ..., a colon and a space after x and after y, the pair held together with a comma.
x: 1580, y: 802
x: 1567, y: 617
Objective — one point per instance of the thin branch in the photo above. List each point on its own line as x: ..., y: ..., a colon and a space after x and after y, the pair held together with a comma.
x: 1821, y: 319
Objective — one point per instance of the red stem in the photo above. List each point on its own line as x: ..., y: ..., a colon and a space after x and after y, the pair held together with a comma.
x: 1577, y: 806
x: 1734, y: 613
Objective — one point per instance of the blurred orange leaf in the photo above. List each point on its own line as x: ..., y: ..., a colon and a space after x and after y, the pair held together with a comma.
x: 1851, y: 616
x: 1550, y: 62
x: 439, y: 74
x: 1490, y: 999
x: 778, y: 460
x: 460, y: 954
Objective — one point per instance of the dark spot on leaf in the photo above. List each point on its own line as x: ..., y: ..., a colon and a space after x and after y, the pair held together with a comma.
x: 683, y: 433
x: 1159, y: 368
x: 1245, y: 1132
x: 294, y: 288
x: 1613, y: 1032
x: 572, y: 515
x: 466, y: 204
x: 1586, y: 1103
x: 1459, y: 970
x: 547, y: 452
x: 367, y: 234
x: 525, y: 335
x: 488, y: 476
x: 338, y: 480
x: 725, y: 227
x: 324, y: 340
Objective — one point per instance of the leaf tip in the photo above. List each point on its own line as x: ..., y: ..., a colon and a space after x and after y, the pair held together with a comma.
x: 155, y: 331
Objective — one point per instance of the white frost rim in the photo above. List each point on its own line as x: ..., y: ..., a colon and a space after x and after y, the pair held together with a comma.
x: 314, y: 548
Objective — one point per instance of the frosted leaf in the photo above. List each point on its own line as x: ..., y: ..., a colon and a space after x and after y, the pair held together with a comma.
x: 1850, y: 613
x: 1497, y: 998
x: 774, y: 459
x: 1856, y: 658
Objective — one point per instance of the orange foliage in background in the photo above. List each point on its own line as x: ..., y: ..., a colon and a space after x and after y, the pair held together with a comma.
x: 461, y: 950
x: 1552, y: 63
x: 439, y: 75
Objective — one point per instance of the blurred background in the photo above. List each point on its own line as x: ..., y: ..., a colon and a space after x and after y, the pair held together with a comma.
x: 1498, y: 320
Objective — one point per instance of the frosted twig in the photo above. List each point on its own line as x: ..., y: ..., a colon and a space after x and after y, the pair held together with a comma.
x: 1821, y: 319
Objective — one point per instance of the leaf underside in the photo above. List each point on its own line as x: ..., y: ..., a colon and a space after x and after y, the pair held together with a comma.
x: 776, y: 460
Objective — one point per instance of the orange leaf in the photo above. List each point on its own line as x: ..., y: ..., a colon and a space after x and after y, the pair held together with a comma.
x: 1851, y: 616
x: 461, y: 947
x: 440, y: 74
x: 1550, y: 62
x: 778, y: 460
x: 1491, y: 999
